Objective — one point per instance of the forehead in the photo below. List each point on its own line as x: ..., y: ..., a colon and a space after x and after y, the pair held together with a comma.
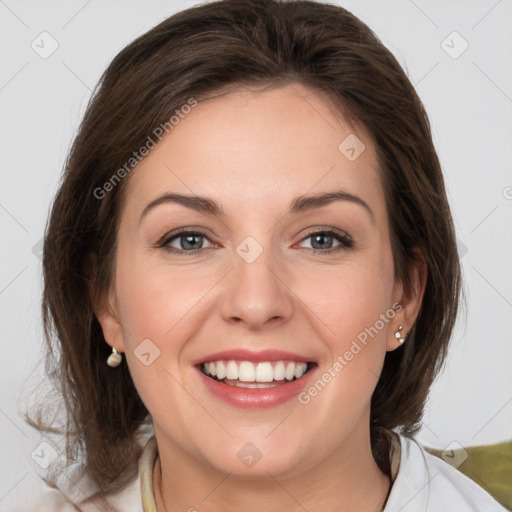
x: 260, y: 145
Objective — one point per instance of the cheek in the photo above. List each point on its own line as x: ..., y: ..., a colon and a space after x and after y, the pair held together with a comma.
x: 156, y: 302
x: 351, y: 297
x: 157, y: 308
x: 164, y: 304
x: 353, y: 302
x: 359, y: 314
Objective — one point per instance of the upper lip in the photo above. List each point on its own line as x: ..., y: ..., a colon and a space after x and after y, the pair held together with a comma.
x: 254, y: 356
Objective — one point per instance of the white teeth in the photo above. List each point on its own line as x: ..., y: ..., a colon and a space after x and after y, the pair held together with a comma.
x: 263, y: 372
x: 232, y: 370
x: 221, y: 369
x: 299, y: 371
x: 279, y: 371
x: 290, y: 371
x: 246, y: 372
x: 251, y: 384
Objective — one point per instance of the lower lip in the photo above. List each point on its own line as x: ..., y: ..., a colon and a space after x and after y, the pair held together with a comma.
x: 256, y: 397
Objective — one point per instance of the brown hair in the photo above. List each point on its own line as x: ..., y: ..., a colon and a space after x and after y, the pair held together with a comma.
x: 194, y: 54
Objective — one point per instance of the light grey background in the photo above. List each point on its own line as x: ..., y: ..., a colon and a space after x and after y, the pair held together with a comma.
x: 469, y: 101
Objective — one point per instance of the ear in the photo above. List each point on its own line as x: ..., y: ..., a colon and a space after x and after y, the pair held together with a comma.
x: 105, y: 308
x: 410, y: 301
x: 107, y: 316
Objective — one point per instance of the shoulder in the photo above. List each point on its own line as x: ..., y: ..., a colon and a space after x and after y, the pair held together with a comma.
x: 75, y: 491
x: 72, y: 493
x: 427, y: 483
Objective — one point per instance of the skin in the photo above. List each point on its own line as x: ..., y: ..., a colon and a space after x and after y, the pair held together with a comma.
x: 254, y: 151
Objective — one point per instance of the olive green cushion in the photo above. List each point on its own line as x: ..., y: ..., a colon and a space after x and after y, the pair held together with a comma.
x: 489, y: 466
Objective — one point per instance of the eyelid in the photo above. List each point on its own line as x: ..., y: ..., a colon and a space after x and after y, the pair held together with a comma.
x: 327, y: 229
x: 345, y: 240
x: 163, y: 241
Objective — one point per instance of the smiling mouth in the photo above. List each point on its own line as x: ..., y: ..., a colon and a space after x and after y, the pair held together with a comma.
x: 246, y: 374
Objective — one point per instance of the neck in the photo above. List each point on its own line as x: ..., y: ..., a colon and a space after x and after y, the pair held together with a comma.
x: 349, y: 479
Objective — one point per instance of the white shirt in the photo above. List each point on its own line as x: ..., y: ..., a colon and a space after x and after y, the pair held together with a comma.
x: 426, y: 483
x: 423, y: 483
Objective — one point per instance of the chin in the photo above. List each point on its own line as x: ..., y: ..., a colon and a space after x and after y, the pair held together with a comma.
x: 246, y: 460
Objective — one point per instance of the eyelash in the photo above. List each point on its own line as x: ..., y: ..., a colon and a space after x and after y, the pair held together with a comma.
x: 345, y: 241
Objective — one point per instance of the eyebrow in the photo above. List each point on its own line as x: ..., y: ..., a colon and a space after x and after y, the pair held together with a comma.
x: 298, y: 205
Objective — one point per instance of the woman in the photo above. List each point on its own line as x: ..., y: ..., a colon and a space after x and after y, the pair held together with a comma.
x: 251, y: 273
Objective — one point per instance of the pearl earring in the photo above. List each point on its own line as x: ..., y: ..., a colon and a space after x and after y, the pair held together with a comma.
x: 114, y: 359
x: 398, y: 335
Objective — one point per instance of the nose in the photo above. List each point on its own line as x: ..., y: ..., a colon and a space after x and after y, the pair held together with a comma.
x: 256, y: 294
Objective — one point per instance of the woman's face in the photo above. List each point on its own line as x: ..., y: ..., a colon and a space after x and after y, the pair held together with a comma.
x: 243, y: 283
